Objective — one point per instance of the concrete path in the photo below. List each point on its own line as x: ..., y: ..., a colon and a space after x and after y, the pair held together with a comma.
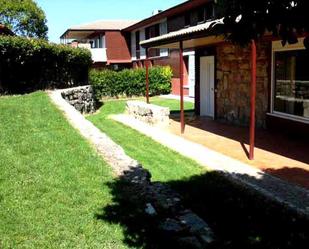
x: 177, y: 97
x: 294, y: 197
x: 113, y: 154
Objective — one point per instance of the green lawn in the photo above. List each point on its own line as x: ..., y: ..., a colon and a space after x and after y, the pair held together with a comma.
x: 52, y: 183
x: 163, y: 163
x: 240, y: 218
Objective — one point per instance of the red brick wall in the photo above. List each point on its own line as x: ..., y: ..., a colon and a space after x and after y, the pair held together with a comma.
x: 176, y: 87
x: 117, y: 47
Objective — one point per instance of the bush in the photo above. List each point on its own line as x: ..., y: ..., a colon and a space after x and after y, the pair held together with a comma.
x: 32, y: 64
x: 130, y: 82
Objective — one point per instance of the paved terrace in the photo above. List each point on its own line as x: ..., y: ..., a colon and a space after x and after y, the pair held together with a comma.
x: 275, y: 153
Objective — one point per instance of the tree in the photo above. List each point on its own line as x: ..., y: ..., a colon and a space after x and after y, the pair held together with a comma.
x: 24, y: 17
x: 245, y: 20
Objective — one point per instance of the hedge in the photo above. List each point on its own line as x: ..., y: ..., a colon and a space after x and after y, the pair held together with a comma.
x: 32, y: 64
x: 130, y: 82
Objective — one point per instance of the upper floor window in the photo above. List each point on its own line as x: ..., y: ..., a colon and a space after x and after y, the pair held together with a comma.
x: 187, y: 19
x: 205, y: 13
x: 137, y: 46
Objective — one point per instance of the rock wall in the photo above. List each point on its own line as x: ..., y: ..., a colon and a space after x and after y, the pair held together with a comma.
x: 233, y: 83
x: 82, y: 98
x: 150, y: 114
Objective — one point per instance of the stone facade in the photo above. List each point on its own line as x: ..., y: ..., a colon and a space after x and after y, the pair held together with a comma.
x: 81, y: 98
x: 233, y: 83
x: 150, y: 114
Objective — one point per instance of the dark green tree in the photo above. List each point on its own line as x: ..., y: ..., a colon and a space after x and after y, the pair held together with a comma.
x: 251, y: 19
x: 23, y: 17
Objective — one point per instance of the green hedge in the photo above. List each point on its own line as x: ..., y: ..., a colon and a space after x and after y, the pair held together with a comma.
x: 32, y: 64
x: 130, y: 82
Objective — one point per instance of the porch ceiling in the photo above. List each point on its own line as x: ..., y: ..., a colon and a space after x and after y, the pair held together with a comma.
x: 77, y: 34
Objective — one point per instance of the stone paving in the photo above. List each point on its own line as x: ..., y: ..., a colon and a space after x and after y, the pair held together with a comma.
x: 176, y: 223
x: 292, y: 196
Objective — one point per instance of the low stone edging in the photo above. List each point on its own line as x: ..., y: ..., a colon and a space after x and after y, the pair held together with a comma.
x: 148, y: 113
x: 82, y: 98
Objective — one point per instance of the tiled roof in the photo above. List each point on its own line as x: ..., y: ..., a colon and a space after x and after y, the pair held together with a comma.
x: 185, y: 31
x: 105, y: 25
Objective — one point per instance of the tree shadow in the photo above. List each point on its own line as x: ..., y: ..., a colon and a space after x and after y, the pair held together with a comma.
x: 240, y: 217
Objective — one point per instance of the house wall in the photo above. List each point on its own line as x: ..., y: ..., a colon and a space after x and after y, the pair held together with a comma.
x: 233, y: 75
x: 117, y: 47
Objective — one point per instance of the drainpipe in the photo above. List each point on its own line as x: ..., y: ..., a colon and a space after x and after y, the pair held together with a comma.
x: 147, y: 76
x: 182, y: 114
x: 253, y: 97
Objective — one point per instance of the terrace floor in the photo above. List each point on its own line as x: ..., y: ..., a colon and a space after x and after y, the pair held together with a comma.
x: 275, y: 153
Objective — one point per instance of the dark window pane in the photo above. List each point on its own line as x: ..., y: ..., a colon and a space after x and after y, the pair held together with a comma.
x: 137, y: 40
x: 291, y: 90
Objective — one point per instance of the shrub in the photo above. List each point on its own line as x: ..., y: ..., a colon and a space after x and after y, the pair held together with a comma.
x: 130, y: 82
x: 32, y: 64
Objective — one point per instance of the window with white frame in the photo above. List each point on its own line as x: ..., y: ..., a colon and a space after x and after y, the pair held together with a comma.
x: 163, y: 31
x: 290, y: 83
x: 133, y: 46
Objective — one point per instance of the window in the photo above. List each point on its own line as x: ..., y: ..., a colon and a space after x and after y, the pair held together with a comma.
x: 153, y: 31
x: 291, y: 83
x: 201, y: 15
x: 163, y: 30
x: 187, y: 20
x: 137, y: 40
x: 209, y: 11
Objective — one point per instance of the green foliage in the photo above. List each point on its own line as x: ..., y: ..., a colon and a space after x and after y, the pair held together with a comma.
x: 131, y: 82
x: 24, y: 17
x: 286, y: 19
x: 31, y: 64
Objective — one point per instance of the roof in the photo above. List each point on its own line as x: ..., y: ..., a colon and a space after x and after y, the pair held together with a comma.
x: 175, y: 10
x: 100, y: 25
x: 185, y: 32
x: 5, y: 30
x: 105, y: 25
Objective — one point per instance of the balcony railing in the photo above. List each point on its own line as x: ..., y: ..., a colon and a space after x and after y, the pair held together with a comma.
x: 99, y: 54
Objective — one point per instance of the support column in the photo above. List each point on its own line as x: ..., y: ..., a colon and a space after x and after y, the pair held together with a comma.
x: 253, y: 97
x: 182, y: 113
x: 147, y: 77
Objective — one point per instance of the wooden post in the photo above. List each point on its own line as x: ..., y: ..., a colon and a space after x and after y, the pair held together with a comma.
x: 147, y: 77
x: 253, y: 97
x: 182, y: 113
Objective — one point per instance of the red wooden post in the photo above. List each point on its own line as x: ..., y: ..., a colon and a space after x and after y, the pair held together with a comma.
x: 182, y: 113
x: 253, y: 96
x: 147, y: 78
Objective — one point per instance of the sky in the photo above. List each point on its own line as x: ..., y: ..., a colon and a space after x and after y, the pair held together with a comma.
x: 62, y: 14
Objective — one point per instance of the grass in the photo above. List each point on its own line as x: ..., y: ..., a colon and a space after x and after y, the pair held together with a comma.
x: 52, y: 183
x: 163, y: 163
x: 240, y: 218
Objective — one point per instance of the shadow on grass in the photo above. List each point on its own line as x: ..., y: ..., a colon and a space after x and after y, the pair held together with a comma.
x: 239, y: 218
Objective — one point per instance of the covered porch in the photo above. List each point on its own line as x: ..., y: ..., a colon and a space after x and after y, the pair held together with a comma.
x: 276, y: 153
x: 234, y: 88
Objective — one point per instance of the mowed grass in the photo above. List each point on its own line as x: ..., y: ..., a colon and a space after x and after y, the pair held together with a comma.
x: 164, y: 164
x: 52, y: 183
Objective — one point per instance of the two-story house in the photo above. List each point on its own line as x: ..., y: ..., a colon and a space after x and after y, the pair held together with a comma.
x: 109, y: 46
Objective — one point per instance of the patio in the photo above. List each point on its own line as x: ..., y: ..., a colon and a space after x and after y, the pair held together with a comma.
x: 275, y: 153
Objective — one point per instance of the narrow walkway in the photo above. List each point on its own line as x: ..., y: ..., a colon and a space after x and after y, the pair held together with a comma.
x: 177, y: 97
x: 113, y: 154
x: 293, y: 196
x: 179, y: 224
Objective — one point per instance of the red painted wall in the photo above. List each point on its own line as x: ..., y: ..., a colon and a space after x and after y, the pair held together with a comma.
x: 117, y: 47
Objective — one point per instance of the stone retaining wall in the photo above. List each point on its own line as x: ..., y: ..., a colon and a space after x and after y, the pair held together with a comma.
x: 233, y: 83
x: 148, y: 113
x: 81, y: 98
